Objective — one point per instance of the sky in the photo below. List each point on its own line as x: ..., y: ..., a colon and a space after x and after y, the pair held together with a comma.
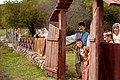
x: 1, y: 1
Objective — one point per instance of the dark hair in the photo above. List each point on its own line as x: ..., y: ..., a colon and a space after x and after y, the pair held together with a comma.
x: 81, y: 24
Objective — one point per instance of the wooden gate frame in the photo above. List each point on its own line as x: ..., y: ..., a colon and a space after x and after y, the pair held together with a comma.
x: 96, y: 36
x: 96, y: 29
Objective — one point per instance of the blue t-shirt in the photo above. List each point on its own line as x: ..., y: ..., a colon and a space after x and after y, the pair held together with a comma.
x: 84, y: 37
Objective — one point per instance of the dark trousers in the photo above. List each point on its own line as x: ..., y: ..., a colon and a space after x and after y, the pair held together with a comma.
x: 78, y: 69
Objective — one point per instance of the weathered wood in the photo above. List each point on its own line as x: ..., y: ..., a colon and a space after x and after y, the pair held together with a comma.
x: 51, y: 60
x: 39, y: 46
x: 61, y: 4
x: 113, y: 2
x: 96, y: 32
x: 50, y: 69
x: 62, y: 27
x: 110, y: 61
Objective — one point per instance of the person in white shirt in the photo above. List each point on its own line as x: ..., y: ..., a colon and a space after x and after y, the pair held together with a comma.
x: 116, y: 32
x: 44, y: 32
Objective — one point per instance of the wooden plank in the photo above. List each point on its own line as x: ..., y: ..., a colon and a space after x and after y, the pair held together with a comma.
x: 62, y: 27
x: 113, y: 2
x: 52, y: 52
x: 48, y: 48
x: 62, y: 4
x: 50, y: 69
x: 96, y: 33
x: 55, y: 51
x: 93, y: 46
x: 110, y: 61
x: 46, y: 55
x: 55, y: 40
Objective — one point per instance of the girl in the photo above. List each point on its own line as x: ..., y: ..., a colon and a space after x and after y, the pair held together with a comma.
x: 79, y: 57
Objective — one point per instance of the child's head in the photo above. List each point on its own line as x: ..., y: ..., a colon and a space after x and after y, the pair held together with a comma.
x: 116, y: 27
x: 107, y: 35
x: 79, y: 43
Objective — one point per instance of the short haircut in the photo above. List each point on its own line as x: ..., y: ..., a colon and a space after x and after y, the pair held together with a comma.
x: 81, y: 24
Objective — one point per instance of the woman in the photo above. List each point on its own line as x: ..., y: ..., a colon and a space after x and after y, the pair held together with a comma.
x: 116, y: 32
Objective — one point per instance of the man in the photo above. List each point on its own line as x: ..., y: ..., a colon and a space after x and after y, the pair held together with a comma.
x: 83, y: 35
x: 80, y: 34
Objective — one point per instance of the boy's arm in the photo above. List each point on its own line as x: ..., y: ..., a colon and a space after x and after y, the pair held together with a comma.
x: 70, y: 39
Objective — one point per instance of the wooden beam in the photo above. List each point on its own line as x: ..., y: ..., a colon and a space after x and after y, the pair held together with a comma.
x: 62, y: 27
x: 96, y: 33
x: 113, y: 2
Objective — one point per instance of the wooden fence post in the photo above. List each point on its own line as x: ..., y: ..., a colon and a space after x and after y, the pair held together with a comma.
x: 96, y: 33
x: 62, y: 27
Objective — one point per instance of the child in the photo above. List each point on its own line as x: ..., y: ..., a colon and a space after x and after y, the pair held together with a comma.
x: 108, y: 36
x: 79, y: 57
x: 85, y: 64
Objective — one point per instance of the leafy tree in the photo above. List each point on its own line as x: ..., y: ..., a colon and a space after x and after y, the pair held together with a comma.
x: 10, y: 14
x: 111, y: 16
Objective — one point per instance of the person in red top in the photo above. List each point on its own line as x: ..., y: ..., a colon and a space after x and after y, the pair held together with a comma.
x: 79, y: 57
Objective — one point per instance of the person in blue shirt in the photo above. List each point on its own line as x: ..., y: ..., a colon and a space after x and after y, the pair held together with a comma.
x: 80, y: 34
x: 83, y: 36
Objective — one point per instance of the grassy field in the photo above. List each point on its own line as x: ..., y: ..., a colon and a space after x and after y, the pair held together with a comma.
x: 16, y: 67
x: 2, y: 32
x: 70, y: 60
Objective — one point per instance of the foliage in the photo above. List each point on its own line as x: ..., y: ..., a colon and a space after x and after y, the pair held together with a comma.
x: 111, y: 16
x: 34, y: 13
x: 27, y: 13
x: 10, y: 13
x: 79, y: 11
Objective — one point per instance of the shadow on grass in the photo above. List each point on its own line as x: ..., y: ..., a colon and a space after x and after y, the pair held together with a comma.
x: 4, y: 75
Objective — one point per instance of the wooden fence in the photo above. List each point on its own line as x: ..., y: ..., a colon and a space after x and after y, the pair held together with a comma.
x: 37, y: 45
x: 110, y: 62
x: 53, y: 60
x: 27, y: 43
x: 52, y: 50
x: 40, y: 46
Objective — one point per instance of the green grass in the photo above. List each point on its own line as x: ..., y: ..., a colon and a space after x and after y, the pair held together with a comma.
x: 16, y: 67
x: 2, y: 32
x: 70, y: 58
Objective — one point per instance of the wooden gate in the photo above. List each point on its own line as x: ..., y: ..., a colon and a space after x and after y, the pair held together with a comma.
x: 53, y: 61
x: 110, y: 62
